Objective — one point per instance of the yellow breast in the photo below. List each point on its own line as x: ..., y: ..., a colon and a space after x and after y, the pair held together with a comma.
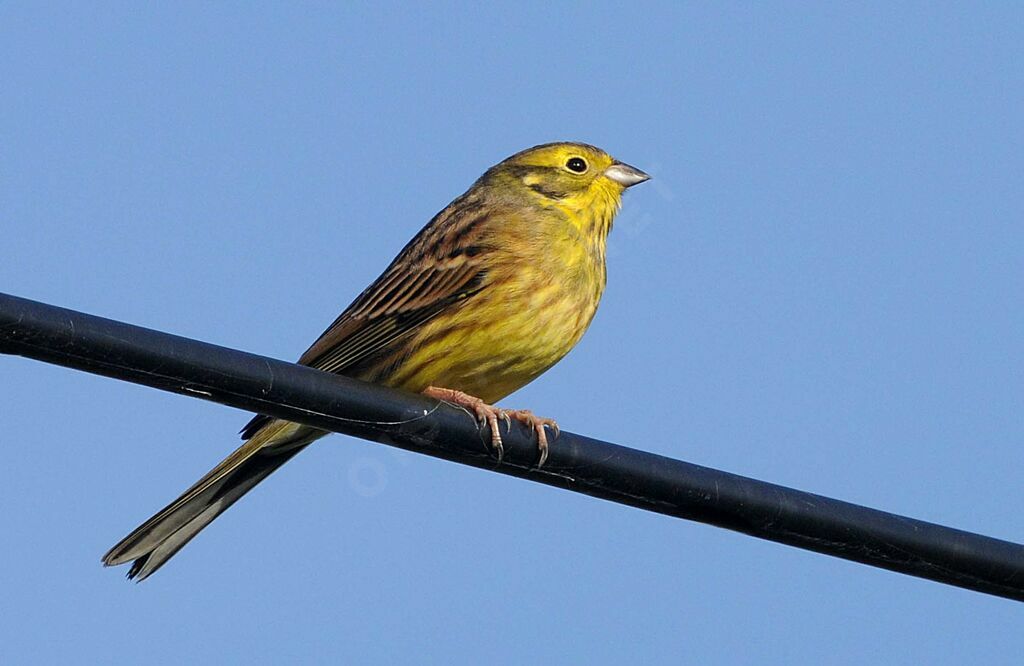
x: 491, y: 349
x: 537, y: 307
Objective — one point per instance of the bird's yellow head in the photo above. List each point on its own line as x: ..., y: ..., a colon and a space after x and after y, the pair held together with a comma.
x: 568, y: 175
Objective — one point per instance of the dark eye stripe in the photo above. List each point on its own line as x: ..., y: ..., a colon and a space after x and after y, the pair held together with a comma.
x: 546, y: 192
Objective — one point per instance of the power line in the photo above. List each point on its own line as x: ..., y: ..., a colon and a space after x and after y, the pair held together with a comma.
x: 581, y: 464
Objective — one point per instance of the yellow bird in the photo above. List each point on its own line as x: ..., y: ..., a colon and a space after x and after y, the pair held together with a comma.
x: 496, y: 289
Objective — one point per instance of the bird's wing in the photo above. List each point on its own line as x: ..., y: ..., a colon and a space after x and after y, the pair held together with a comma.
x: 394, y: 306
x: 444, y: 264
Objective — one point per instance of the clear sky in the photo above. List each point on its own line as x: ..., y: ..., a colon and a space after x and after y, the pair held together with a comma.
x: 821, y: 287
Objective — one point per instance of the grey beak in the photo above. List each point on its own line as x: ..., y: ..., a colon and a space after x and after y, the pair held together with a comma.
x: 625, y: 175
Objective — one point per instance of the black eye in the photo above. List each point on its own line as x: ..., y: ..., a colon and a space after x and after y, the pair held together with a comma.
x: 576, y: 164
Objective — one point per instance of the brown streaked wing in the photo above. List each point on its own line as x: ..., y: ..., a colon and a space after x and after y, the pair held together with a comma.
x: 416, y: 298
x: 403, y: 298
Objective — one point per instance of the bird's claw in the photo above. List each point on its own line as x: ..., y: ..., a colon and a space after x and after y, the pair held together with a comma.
x: 537, y: 424
x: 489, y: 415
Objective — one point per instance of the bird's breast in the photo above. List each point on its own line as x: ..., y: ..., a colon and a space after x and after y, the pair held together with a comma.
x: 524, y: 322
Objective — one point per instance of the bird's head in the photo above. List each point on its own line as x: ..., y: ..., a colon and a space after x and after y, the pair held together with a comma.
x: 572, y: 175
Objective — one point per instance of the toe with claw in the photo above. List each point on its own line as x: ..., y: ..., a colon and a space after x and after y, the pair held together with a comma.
x: 538, y: 424
x: 490, y: 415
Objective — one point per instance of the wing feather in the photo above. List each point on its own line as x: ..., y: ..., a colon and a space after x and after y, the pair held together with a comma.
x: 428, y: 276
x: 363, y: 332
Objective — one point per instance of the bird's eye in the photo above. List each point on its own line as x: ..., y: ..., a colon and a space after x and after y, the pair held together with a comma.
x: 576, y: 164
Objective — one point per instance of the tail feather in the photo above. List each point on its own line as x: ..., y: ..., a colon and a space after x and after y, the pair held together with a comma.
x: 155, y: 541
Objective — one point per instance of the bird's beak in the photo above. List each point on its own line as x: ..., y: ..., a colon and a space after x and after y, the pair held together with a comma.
x: 625, y: 175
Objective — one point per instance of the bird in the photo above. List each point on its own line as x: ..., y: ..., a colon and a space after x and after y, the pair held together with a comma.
x: 493, y: 291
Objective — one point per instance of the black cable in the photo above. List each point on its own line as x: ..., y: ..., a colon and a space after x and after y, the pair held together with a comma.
x: 577, y: 463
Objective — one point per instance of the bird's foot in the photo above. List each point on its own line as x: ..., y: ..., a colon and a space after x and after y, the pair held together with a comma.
x: 490, y: 415
x: 538, y: 425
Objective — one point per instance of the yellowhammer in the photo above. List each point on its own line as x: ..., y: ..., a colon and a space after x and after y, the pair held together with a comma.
x: 496, y: 289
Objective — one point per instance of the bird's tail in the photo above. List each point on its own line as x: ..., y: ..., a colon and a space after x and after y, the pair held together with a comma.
x: 159, y: 538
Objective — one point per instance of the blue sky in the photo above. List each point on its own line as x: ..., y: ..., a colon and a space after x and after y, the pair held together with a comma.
x: 821, y: 287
